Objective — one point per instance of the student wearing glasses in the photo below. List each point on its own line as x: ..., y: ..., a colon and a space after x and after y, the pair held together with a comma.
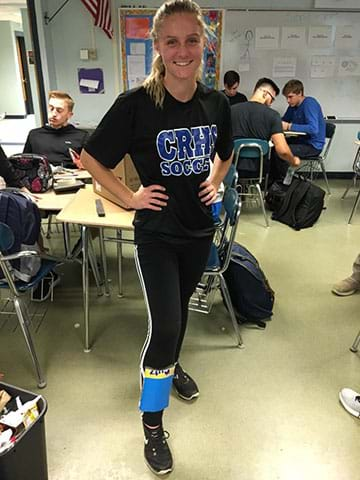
x: 254, y: 119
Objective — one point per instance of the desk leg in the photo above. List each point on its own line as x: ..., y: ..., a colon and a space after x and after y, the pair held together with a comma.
x: 94, y: 266
x: 103, y: 261
x: 119, y: 258
x: 66, y: 235
x: 85, y: 281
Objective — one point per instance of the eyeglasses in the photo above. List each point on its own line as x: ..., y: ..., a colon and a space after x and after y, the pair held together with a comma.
x: 270, y: 94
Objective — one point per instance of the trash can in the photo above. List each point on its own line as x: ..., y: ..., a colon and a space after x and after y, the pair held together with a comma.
x: 26, y: 458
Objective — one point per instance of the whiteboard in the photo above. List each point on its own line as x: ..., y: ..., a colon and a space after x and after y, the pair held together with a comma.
x: 258, y: 44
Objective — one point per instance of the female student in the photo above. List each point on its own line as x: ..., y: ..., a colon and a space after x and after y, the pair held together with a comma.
x: 171, y: 126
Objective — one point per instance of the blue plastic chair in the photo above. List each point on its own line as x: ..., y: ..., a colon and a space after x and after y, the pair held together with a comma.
x: 250, y: 154
x: 311, y: 165
x: 17, y: 287
x: 218, y: 261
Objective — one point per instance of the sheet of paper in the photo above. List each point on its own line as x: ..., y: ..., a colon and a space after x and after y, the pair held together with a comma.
x: 320, y: 37
x: 346, y: 36
x: 267, y: 37
x: 86, y: 82
x: 284, y: 67
x: 136, y: 65
x: 293, y: 37
x: 322, y: 66
x: 349, y: 66
x: 137, y: 48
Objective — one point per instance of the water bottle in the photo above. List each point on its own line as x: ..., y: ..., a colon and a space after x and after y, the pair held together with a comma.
x: 289, y: 175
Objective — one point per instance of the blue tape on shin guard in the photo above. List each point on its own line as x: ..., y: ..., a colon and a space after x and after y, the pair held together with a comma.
x: 156, y: 389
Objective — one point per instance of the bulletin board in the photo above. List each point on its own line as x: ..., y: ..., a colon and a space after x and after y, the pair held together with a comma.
x: 322, y: 49
x: 136, y: 45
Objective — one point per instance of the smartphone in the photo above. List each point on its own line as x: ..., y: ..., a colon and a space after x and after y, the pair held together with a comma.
x: 73, y: 155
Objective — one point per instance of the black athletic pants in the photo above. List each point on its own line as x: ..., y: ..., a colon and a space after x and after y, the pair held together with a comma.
x: 168, y: 274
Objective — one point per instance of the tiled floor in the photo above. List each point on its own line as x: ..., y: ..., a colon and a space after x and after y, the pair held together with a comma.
x: 267, y: 412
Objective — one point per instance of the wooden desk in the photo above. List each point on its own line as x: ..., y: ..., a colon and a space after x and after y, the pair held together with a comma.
x: 82, y: 210
x: 55, y: 202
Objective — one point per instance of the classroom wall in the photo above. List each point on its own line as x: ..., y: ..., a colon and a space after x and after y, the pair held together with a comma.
x: 11, y: 99
x: 72, y: 29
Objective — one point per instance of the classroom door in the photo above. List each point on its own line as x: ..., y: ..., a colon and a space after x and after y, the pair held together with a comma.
x: 24, y: 73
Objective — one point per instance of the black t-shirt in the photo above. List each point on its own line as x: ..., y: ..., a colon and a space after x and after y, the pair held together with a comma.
x: 237, y: 98
x: 172, y: 147
x: 255, y: 120
x: 55, y: 143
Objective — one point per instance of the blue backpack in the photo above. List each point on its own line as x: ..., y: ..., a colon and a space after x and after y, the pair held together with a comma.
x: 23, y: 217
x: 250, y: 292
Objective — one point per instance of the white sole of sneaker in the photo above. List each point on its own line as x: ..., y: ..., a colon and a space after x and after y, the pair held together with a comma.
x: 187, y: 399
x: 343, y: 294
x: 162, y: 472
x: 353, y: 412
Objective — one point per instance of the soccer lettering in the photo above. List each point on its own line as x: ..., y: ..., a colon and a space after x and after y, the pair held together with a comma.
x: 185, y: 151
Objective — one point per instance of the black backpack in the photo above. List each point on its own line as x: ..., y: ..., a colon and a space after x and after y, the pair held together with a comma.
x: 22, y: 215
x: 298, y: 205
x: 250, y: 292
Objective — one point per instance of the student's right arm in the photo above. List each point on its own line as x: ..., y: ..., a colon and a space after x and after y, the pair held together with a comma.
x: 150, y: 197
x: 283, y: 150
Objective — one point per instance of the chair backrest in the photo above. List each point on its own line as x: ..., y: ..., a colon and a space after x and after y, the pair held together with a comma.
x: 252, y: 151
x: 330, y: 131
x: 231, y: 177
x: 6, y: 237
x: 232, y: 207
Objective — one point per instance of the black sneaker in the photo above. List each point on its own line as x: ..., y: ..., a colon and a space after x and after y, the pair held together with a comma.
x: 156, y: 450
x: 44, y: 288
x: 184, y: 385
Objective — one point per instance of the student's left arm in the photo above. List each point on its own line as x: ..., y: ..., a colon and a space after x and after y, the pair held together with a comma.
x: 209, y: 188
x: 311, y: 125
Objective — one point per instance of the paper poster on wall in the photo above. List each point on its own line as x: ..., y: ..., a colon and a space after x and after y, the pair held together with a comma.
x: 320, y: 37
x: 267, y: 37
x: 346, y: 37
x: 284, y: 67
x: 293, y: 37
x: 322, y: 66
x: 349, y: 66
x: 91, y: 80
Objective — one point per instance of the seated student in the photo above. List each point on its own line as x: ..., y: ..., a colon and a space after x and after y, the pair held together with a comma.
x: 59, y: 140
x: 231, y: 84
x: 255, y: 119
x: 303, y: 114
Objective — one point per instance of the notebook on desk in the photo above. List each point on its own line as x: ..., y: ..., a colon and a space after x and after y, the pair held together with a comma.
x: 68, y: 186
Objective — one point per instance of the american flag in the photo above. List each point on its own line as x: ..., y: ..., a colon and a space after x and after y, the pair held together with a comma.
x: 100, y: 10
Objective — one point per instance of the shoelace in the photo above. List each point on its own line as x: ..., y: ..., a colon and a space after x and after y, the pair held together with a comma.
x: 158, y: 438
x: 181, y: 375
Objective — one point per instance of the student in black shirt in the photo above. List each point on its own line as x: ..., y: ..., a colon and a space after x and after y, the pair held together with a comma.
x: 59, y: 140
x: 171, y: 126
x: 231, y: 84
